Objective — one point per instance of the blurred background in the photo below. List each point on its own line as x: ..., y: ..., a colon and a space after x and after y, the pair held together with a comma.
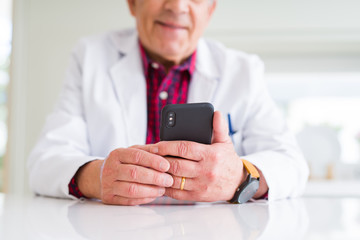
x: 311, y: 51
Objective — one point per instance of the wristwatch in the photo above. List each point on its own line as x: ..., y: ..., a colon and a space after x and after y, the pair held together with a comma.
x: 248, y: 188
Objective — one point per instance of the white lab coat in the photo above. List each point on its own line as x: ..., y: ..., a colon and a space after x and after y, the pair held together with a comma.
x: 102, y: 107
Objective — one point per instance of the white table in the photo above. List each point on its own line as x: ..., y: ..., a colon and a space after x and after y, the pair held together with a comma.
x: 333, y: 188
x: 302, y: 218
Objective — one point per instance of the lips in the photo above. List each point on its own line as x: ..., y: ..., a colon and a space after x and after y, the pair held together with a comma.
x: 171, y: 25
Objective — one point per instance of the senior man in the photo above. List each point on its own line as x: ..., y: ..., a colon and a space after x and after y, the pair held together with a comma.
x: 102, y: 140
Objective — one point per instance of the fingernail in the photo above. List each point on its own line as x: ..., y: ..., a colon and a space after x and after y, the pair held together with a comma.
x: 168, y: 181
x: 164, y: 166
x: 161, y: 191
x: 154, y: 149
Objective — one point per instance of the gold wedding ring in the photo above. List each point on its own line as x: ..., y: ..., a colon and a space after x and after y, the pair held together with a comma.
x: 182, y: 183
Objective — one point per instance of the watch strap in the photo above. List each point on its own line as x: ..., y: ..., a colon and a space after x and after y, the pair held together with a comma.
x: 251, y: 169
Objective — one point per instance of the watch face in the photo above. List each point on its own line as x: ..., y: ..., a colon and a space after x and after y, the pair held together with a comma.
x: 249, y: 191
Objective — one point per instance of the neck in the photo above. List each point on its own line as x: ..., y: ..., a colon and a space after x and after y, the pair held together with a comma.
x: 168, y: 63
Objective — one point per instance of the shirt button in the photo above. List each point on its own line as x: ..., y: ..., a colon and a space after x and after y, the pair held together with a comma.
x: 155, y: 65
x: 163, y: 95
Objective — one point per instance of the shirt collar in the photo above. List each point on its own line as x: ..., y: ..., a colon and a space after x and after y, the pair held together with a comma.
x: 187, y: 65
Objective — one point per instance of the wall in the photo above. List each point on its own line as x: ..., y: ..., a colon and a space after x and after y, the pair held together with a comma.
x: 316, y: 35
x: 44, y: 33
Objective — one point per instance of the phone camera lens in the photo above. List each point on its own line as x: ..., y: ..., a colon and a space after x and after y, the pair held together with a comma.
x: 171, y: 119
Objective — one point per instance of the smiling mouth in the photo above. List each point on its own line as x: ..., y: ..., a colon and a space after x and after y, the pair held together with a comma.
x: 170, y: 25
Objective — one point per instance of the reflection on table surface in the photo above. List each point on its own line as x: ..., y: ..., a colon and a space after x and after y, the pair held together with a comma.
x: 302, y: 218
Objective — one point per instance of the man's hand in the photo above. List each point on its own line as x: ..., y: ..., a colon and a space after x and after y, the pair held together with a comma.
x: 128, y: 176
x: 213, y: 172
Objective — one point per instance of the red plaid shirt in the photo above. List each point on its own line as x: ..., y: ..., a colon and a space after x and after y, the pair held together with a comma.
x: 162, y: 88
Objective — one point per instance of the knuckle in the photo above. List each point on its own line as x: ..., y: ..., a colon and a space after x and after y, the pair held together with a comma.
x: 176, y: 167
x: 114, y: 154
x: 132, y: 190
x: 133, y: 173
x: 211, y: 176
x: 183, y: 148
x: 137, y: 157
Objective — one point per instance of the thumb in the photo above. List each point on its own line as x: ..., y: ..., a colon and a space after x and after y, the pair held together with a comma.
x: 220, y: 129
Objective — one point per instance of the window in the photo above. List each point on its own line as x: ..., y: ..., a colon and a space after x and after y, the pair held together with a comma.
x: 5, y: 48
x: 322, y: 109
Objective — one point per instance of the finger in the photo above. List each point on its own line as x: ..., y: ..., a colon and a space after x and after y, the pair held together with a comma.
x: 220, y: 129
x: 139, y: 174
x: 188, y: 186
x: 180, y: 194
x: 118, y: 200
x: 184, y: 149
x: 143, y: 147
x: 141, y: 158
x: 136, y: 190
x: 183, y: 168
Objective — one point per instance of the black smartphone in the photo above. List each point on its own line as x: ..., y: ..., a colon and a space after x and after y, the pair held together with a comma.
x: 190, y: 122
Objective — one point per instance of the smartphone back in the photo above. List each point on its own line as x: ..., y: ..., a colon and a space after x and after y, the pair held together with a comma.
x: 190, y: 122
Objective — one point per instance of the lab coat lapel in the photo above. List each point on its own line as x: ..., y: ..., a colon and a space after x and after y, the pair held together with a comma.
x: 130, y: 86
x: 205, y: 79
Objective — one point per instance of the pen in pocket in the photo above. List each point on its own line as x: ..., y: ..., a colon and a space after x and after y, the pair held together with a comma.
x: 231, y: 131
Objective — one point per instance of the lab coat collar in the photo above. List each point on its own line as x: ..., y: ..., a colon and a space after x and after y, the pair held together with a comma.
x: 124, y: 41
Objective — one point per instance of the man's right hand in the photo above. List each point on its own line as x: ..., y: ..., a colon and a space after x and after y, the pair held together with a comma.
x: 128, y: 176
